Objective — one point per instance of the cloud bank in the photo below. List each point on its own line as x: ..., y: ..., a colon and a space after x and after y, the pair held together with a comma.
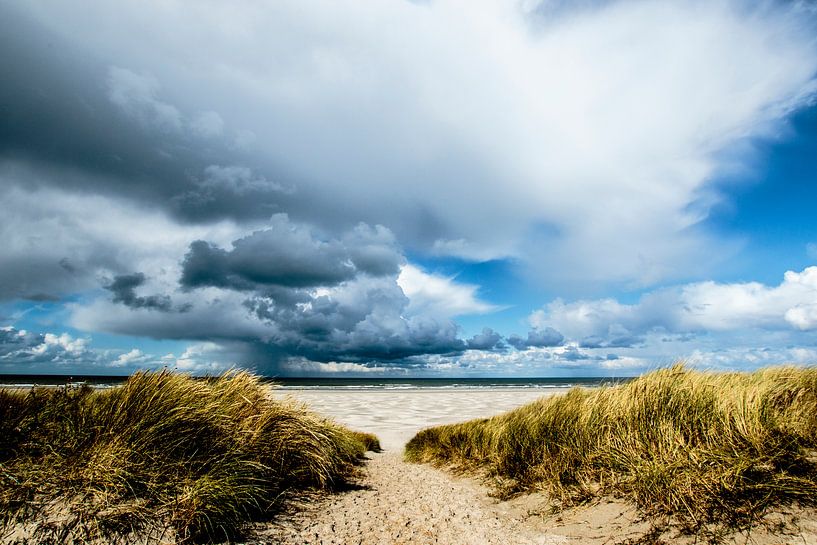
x: 515, y: 113
x: 260, y: 181
x: 691, y: 308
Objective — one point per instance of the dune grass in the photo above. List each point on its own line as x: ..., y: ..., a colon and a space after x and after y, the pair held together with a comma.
x: 710, y: 451
x: 163, y: 452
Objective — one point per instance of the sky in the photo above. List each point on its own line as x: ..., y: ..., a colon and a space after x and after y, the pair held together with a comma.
x: 407, y: 188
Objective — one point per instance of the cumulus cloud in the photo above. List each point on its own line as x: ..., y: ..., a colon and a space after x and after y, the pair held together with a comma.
x: 362, y: 320
x: 537, y: 338
x: 488, y: 339
x: 566, y: 360
x: 579, y: 142
x: 690, y: 308
x: 290, y: 255
x: 302, y: 366
x: 206, y: 358
x: 131, y: 359
x: 47, y: 351
x: 286, y: 291
x: 237, y: 179
x: 208, y: 124
x: 750, y: 357
x: 27, y: 352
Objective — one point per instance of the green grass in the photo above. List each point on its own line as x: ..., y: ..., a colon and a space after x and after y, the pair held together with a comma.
x: 710, y: 451
x: 200, y: 457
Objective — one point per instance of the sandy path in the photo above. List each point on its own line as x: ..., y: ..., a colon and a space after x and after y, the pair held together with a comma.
x: 399, y: 502
x: 412, y: 504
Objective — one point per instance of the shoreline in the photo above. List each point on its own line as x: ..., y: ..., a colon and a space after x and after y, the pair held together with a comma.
x: 396, y: 415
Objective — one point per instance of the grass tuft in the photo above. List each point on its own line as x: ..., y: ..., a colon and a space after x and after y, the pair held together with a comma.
x: 709, y: 450
x: 164, y: 451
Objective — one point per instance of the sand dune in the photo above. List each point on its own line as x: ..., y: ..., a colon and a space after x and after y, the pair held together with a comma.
x: 395, y: 502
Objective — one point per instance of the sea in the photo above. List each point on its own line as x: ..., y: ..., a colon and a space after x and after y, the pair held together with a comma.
x: 335, y: 383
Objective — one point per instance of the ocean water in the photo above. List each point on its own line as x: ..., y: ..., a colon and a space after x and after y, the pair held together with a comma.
x: 435, y: 383
x: 336, y: 383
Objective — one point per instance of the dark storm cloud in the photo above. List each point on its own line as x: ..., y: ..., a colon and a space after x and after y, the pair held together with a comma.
x: 487, y: 340
x: 364, y: 324
x: 286, y: 292
x: 363, y: 320
x: 537, y: 338
x: 124, y: 287
x: 108, y: 125
x: 290, y: 255
x: 109, y: 130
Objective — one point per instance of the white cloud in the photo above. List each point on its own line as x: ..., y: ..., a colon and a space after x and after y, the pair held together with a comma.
x: 201, y: 358
x: 538, y: 361
x: 436, y: 295
x: 301, y: 366
x: 582, y: 142
x: 23, y: 351
x: 131, y: 359
x: 702, y: 306
x: 63, y: 342
x: 217, y: 314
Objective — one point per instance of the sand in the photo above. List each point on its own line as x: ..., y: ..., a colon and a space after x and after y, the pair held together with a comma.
x: 394, y: 502
x: 408, y: 503
x: 396, y: 415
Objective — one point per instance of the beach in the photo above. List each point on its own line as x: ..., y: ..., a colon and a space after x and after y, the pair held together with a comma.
x: 395, y: 415
x: 395, y: 502
x: 399, y: 502
x: 382, y: 498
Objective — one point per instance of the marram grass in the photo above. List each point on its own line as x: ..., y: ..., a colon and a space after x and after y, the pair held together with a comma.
x: 163, y: 451
x: 708, y: 450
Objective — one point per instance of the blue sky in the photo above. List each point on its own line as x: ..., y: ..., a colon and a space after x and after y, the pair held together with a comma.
x: 435, y: 189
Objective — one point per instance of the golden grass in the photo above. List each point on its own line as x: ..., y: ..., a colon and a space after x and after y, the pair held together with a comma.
x: 710, y: 450
x: 201, y: 457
